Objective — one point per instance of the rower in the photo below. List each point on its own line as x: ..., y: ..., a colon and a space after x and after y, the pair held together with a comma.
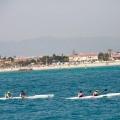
x: 80, y: 94
x: 8, y: 95
x: 22, y: 94
x: 96, y: 93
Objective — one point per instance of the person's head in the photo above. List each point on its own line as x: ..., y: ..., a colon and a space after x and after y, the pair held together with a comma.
x: 22, y: 91
x: 8, y: 92
x: 96, y: 91
x: 80, y: 91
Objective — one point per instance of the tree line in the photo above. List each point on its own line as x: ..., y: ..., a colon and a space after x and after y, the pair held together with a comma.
x: 47, y: 60
x: 44, y: 60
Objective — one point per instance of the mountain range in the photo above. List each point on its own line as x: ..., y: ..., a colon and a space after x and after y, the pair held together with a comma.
x: 51, y: 45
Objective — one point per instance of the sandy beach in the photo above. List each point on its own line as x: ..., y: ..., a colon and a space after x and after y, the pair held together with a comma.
x: 85, y: 65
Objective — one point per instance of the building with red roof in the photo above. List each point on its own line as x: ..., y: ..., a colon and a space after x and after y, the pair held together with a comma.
x: 21, y: 59
x: 83, y: 57
x: 115, y: 56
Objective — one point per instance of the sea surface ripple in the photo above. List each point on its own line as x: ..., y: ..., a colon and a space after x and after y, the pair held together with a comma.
x: 62, y: 83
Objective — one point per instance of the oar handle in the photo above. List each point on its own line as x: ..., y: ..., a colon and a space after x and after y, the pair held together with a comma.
x: 12, y: 92
x: 104, y: 90
x: 88, y: 91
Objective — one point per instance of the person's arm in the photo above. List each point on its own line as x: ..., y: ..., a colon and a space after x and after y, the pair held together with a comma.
x: 5, y: 95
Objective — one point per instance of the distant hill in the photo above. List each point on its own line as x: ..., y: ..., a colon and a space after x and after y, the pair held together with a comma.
x: 50, y: 45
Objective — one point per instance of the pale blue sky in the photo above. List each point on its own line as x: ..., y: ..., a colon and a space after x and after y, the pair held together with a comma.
x: 29, y: 19
x: 44, y: 27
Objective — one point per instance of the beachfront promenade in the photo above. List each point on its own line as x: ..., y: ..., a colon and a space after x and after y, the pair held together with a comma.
x: 82, y: 65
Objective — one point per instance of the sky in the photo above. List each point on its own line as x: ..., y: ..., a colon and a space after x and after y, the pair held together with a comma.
x: 39, y: 27
x: 29, y: 19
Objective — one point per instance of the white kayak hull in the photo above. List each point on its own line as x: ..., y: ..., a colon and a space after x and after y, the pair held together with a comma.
x: 30, y: 97
x: 93, y: 97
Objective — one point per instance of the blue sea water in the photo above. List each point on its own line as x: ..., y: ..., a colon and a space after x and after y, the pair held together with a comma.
x: 62, y: 83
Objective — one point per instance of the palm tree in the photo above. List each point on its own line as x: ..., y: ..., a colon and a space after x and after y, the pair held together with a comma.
x: 74, y: 52
x: 109, y: 51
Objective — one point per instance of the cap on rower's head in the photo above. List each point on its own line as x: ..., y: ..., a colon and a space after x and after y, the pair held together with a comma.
x: 8, y: 92
x: 96, y: 90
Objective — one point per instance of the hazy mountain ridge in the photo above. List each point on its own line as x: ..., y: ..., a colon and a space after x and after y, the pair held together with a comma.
x: 51, y: 45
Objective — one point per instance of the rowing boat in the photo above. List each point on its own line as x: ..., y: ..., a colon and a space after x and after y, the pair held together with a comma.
x: 93, y: 97
x: 30, y: 97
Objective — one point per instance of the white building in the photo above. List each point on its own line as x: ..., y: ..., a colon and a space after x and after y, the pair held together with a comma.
x: 83, y: 58
x: 115, y: 56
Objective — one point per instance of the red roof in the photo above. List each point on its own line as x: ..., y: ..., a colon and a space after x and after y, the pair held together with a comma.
x: 84, y: 55
x: 21, y: 59
x: 115, y: 55
x: 89, y: 54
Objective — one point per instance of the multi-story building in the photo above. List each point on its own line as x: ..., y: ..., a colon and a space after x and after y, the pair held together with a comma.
x: 83, y: 57
x: 115, y: 56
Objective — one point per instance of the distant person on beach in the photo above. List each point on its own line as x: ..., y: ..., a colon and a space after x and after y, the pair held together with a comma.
x: 96, y: 93
x: 8, y: 95
x: 22, y: 94
x: 80, y: 94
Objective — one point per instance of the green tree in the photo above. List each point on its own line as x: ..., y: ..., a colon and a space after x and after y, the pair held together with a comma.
x: 11, y: 59
x: 100, y: 56
x: 54, y: 58
x: 106, y: 57
x: 103, y: 56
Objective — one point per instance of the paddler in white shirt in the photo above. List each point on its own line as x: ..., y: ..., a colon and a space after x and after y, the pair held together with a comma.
x: 80, y: 94
x: 8, y: 95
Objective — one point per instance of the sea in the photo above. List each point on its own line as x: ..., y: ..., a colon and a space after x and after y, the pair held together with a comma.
x: 63, y: 83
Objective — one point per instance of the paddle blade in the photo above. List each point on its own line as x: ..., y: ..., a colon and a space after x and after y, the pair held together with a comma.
x: 90, y: 91
x: 105, y: 89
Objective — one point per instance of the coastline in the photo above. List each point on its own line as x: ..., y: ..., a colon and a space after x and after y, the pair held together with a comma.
x: 83, y: 65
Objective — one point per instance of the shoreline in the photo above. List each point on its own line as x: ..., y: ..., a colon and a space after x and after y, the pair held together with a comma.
x: 83, y: 65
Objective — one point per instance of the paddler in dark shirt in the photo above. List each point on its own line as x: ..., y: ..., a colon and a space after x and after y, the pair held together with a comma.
x: 80, y: 94
x: 22, y: 94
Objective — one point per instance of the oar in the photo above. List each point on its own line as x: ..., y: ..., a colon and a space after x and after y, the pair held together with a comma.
x: 104, y: 90
x: 12, y: 92
x: 88, y: 91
